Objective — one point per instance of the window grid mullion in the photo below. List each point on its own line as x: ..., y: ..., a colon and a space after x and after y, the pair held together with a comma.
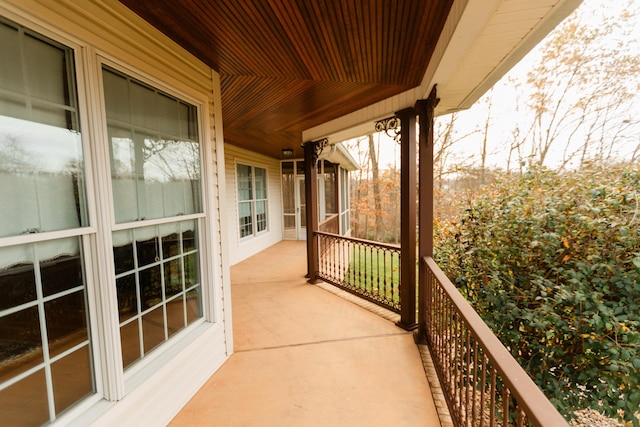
x: 44, y: 336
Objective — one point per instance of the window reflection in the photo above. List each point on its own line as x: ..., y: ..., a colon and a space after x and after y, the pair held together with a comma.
x: 155, y: 153
x: 54, y: 314
x: 159, y: 294
x: 41, y: 171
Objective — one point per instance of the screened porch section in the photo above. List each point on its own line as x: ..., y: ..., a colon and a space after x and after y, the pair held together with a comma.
x: 333, y: 198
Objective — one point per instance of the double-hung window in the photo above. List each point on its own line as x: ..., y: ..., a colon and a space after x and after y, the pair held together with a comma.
x: 46, y: 358
x: 252, y: 199
x: 53, y: 208
x: 155, y: 178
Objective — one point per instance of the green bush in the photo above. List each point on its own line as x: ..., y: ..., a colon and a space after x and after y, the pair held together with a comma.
x: 551, y: 262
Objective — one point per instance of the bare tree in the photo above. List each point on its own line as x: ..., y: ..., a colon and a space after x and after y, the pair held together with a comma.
x: 581, y: 93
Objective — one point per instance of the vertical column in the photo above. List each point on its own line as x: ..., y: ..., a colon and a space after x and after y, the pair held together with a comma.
x: 425, y: 109
x: 407, y: 218
x: 311, y: 151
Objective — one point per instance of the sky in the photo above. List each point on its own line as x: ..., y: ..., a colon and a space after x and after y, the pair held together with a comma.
x: 503, y: 96
x: 511, y: 90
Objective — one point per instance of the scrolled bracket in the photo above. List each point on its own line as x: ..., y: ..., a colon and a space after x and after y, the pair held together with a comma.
x: 318, y: 147
x: 390, y: 126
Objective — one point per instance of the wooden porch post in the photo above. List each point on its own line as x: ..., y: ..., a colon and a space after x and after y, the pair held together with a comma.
x: 311, y: 151
x: 407, y: 218
x: 425, y: 109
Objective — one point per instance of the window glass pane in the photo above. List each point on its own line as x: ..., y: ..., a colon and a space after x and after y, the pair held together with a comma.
x: 288, y: 194
x: 127, y: 297
x: 191, y: 269
x: 175, y: 315
x: 117, y: 97
x: 147, y: 249
x: 300, y: 167
x: 188, y: 238
x: 170, y: 244
x: 61, y: 273
x: 151, y: 293
x: 17, y: 277
x: 66, y: 322
x: 124, y: 177
x: 143, y: 106
x: 150, y: 287
x: 41, y: 162
x: 172, y: 277
x: 194, y: 305
x: 261, y: 183
x: 130, y: 343
x: 245, y: 216
x: 261, y: 216
x: 77, y: 366
x: 11, y: 76
x: 47, y: 69
x: 21, y: 338
x: 123, y: 251
x: 41, y: 170
x: 153, y: 329
x: 155, y: 153
x: 244, y: 183
x: 330, y: 189
x: 29, y: 394
x: 169, y: 115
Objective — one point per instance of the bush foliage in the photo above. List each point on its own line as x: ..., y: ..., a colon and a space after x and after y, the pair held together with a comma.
x: 551, y: 261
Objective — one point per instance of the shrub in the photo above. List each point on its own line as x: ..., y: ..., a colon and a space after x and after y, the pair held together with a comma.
x: 551, y: 262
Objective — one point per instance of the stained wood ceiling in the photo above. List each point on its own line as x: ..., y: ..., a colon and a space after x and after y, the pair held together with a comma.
x: 288, y: 65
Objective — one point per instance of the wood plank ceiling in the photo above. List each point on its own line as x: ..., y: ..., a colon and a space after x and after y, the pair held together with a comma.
x: 288, y: 65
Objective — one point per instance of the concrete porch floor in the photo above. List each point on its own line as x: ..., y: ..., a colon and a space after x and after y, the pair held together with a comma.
x: 306, y: 357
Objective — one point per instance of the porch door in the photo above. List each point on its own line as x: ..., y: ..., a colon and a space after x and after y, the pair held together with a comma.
x: 301, y: 209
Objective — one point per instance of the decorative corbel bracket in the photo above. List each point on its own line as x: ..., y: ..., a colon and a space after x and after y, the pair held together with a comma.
x: 318, y: 146
x: 390, y: 126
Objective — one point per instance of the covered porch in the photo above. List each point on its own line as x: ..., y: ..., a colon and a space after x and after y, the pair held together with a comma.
x: 311, y: 355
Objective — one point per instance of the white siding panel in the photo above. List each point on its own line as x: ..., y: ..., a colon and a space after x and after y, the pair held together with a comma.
x: 240, y: 249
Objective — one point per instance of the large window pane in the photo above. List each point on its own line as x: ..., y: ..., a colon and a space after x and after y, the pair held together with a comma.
x: 261, y: 183
x: 245, y: 183
x: 41, y: 162
x: 153, y: 292
x: 155, y: 152
x: 54, y: 319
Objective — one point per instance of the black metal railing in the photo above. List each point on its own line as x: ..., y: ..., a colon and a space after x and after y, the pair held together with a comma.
x: 482, y: 382
x: 368, y: 269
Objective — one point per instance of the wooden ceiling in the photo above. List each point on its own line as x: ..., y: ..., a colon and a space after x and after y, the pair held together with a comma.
x: 289, y: 65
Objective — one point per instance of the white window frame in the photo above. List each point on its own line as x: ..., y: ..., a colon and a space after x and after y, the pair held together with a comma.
x: 87, y: 234
x: 142, y: 368
x: 252, y: 201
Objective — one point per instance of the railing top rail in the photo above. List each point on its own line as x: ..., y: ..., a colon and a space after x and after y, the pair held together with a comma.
x: 356, y: 240
x: 333, y: 217
x: 535, y: 404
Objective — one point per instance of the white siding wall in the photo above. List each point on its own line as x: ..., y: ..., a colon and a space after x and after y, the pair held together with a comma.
x: 158, y: 388
x: 240, y: 249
